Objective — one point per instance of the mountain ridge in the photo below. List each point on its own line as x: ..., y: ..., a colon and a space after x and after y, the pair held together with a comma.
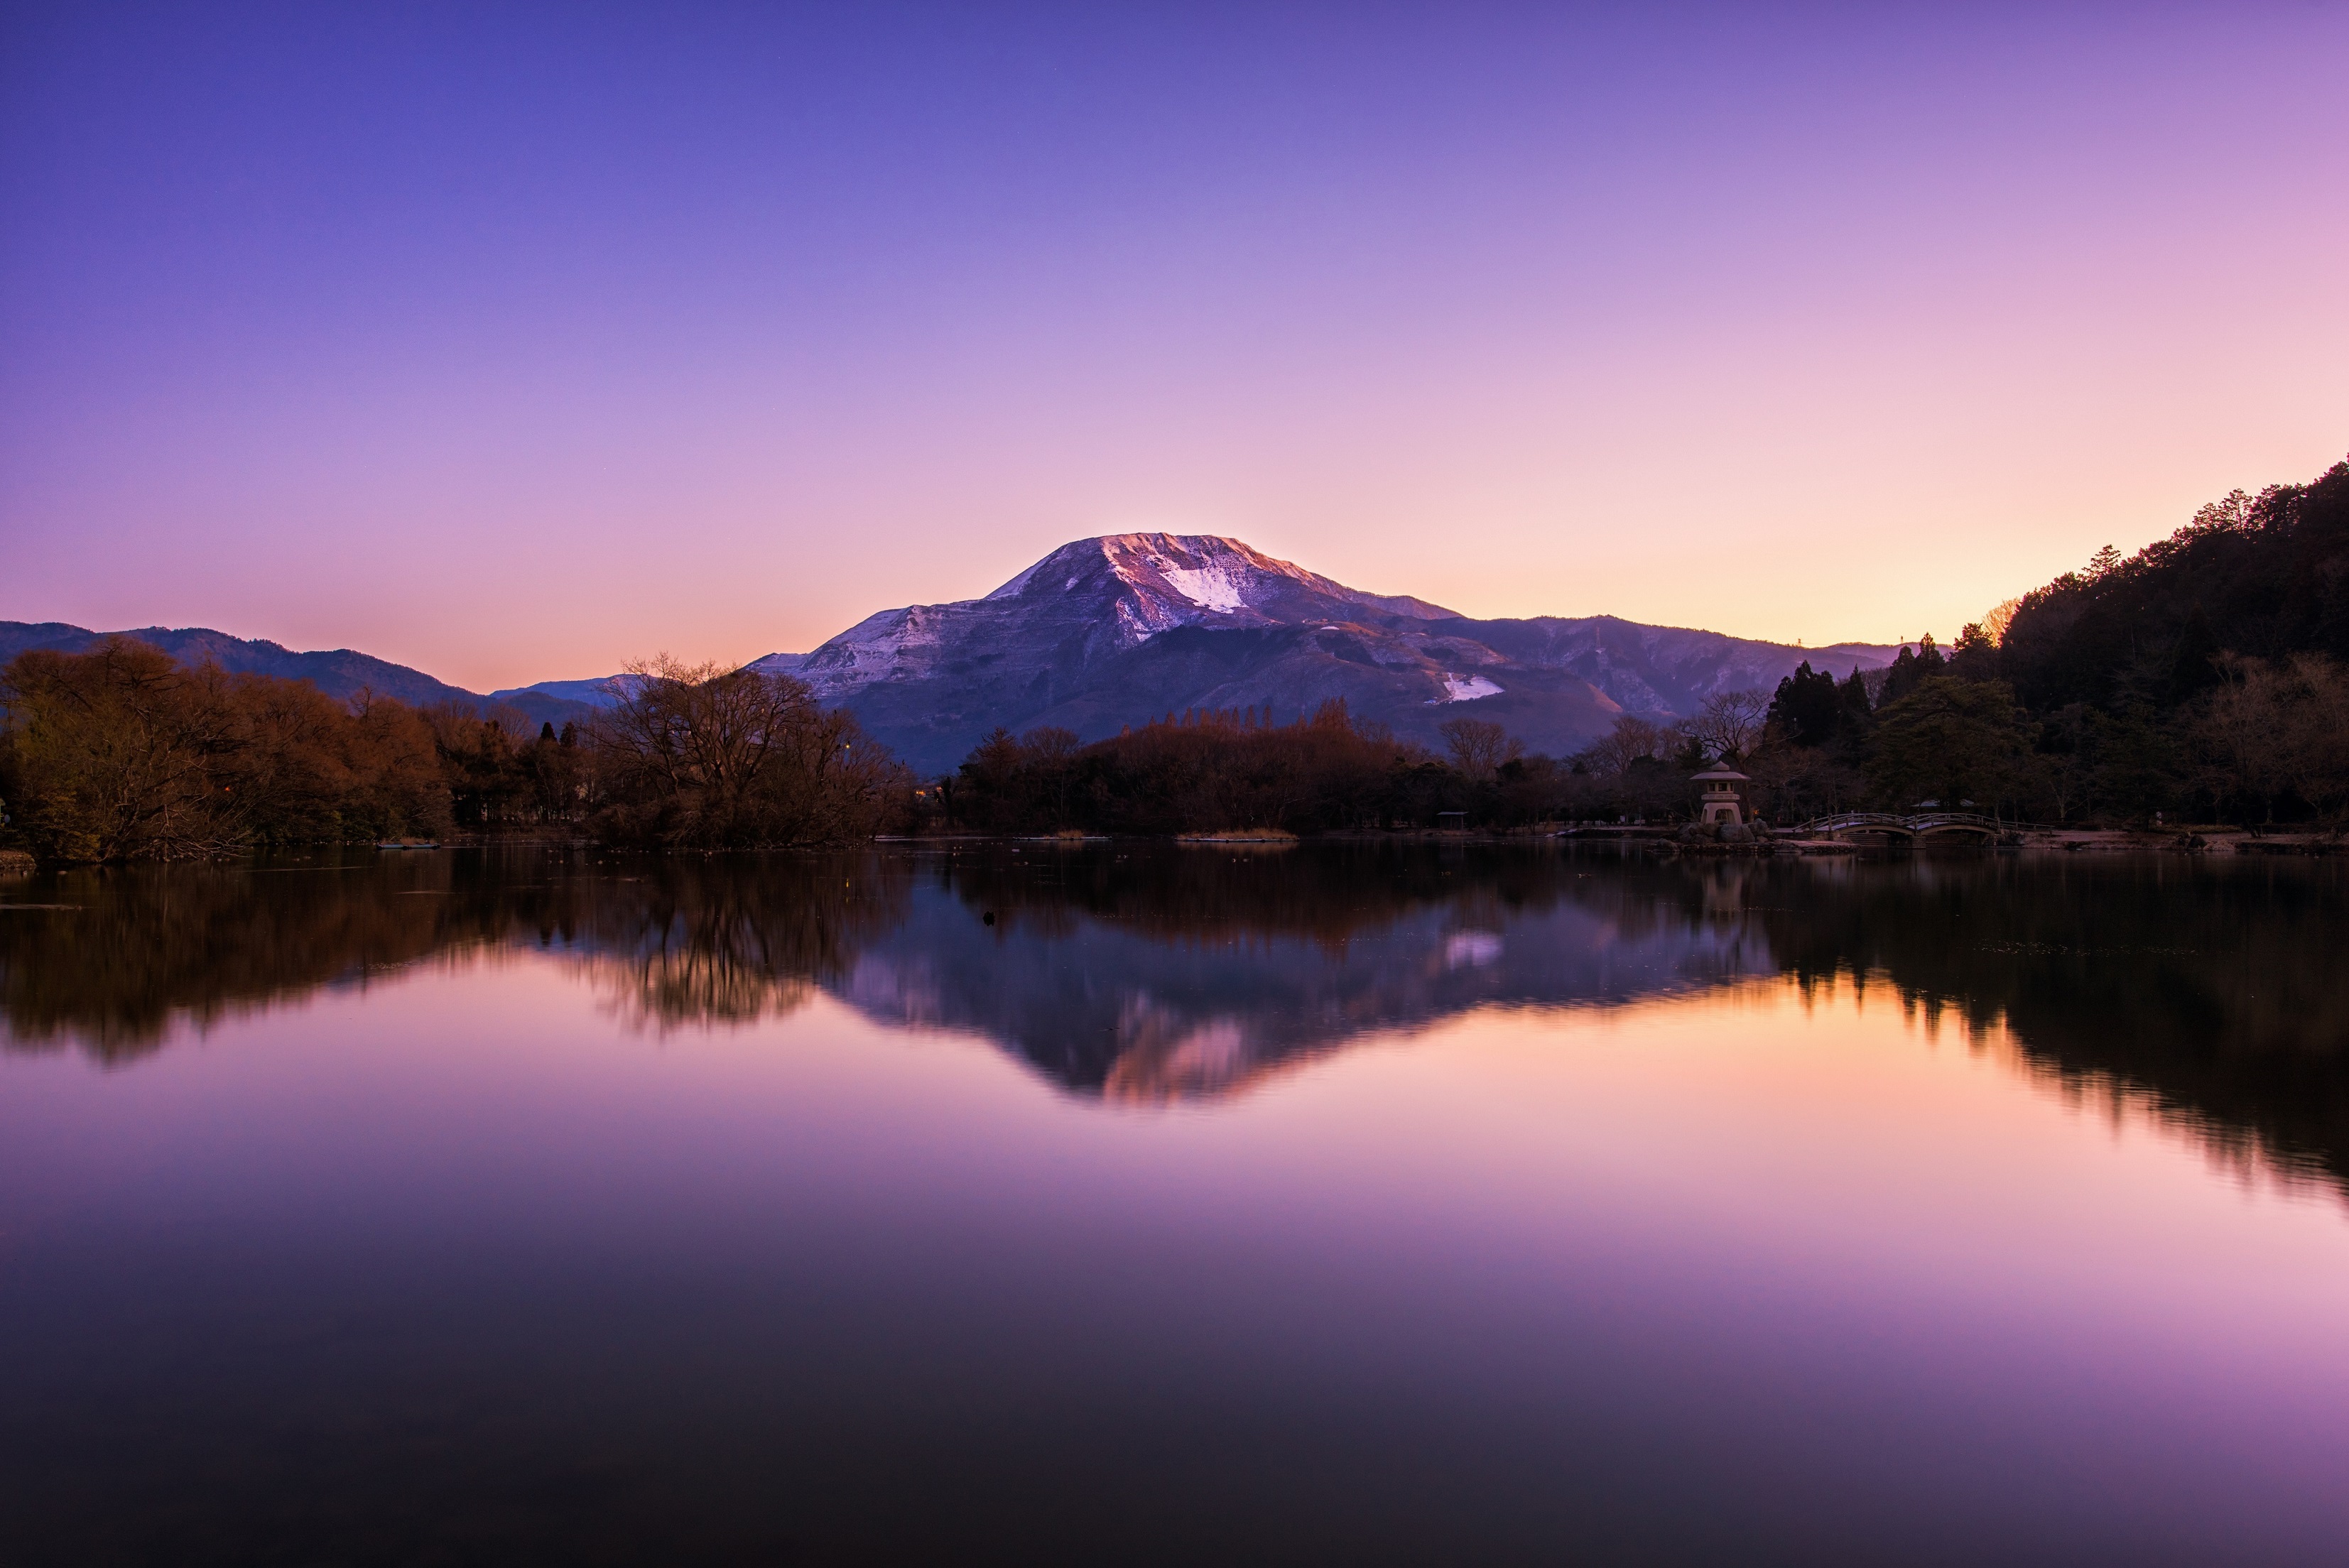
x: 337, y: 672
x: 1119, y: 629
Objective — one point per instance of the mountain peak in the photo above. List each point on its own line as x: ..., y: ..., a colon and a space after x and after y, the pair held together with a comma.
x: 1123, y: 628
x: 1210, y: 570
x: 1165, y: 580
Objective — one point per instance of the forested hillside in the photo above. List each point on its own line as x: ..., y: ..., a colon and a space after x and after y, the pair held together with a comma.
x: 2205, y: 677
x: 2264, y: 576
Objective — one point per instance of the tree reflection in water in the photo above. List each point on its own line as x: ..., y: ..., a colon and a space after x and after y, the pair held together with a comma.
x: 118, y: 960
x: 1152, y: 973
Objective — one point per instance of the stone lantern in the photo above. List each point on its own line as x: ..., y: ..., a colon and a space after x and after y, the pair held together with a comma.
x: 1725, y: 795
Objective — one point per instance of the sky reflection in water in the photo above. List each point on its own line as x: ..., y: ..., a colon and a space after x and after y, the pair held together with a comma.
x: 1362, y: 1206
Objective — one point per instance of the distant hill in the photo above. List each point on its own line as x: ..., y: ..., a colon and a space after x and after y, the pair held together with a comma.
x: 1119, y: 629
x: 600, y: 691
x: 339, y: 672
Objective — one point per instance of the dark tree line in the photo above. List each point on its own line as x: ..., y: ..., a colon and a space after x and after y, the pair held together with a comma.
x: 1203, y: 771
x: 498, y: 776
x: 1208, y: 771
x: 122, y: 753
x: 2263, y: 577
x: 2206, y: 676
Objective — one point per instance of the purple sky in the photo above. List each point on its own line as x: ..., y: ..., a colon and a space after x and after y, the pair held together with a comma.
x: 513, y: 342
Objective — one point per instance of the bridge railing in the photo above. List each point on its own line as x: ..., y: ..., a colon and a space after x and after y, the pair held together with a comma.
x: 1912, y: 823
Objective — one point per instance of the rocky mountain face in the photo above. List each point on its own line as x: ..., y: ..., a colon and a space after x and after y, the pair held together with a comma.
x: 1125, y: 628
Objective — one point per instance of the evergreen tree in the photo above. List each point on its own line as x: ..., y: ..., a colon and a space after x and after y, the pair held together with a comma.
x: 1911, y: 669
x: 1806, y: 708
x: 1952, y: 741
x: 1975, y: 656
x: 1854, y: 715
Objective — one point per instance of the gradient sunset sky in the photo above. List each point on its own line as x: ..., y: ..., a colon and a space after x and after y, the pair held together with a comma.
x: 511, y: 342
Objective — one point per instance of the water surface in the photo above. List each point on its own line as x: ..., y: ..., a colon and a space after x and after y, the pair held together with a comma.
x: 1133, y: 1204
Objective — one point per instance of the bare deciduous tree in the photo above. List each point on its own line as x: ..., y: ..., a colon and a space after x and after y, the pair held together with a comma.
x: 122, y: 753
x: 1632, y: 739
x: 2316, y: 731
x: 705, y: 755
x: 119, y: 748
x: 1729, y: 726
x: 2270, y: 729
x: 1479, y: 747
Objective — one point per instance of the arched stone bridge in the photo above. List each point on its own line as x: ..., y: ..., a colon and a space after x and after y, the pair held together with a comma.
x: 1917, y: 825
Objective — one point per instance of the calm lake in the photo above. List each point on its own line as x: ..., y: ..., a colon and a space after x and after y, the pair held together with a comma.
x: 1143, y: 1203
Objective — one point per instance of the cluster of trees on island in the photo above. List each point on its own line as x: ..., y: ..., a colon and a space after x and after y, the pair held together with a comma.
x: 2205, y: 677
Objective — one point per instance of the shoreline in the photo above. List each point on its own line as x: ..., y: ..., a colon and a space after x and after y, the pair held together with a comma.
x: 1656, y: 840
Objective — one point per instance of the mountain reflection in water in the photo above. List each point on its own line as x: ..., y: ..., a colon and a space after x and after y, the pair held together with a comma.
x: 1156, y: 974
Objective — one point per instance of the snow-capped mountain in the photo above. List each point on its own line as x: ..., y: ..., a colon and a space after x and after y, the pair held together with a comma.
x: 1124, y: 628
x: 1128, y: 627
x: 1086, y: 602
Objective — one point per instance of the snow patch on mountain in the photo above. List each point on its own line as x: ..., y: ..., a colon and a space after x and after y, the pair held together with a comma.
x: 1467, y: 689
x: 1209, y: 587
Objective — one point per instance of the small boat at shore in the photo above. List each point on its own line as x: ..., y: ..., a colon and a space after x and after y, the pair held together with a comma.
x: 408, y: 844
